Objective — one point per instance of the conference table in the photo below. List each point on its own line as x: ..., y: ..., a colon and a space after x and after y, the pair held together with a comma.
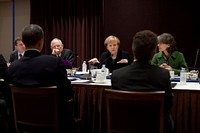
x: 90, y: 106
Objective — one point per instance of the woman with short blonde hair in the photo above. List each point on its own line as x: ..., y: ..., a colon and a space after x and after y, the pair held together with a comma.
x: 114, y: 57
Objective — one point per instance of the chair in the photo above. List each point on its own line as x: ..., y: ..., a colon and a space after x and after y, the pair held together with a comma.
x: 134, y: 112
x: 35, y: 109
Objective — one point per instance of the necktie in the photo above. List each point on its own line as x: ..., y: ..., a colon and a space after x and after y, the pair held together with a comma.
x: 20, y: 56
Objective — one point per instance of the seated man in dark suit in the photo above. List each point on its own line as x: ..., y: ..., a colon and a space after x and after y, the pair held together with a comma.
x: 64, y: 54
x: 35, y: 69
x: 142, y: 76
x: 19, y: 50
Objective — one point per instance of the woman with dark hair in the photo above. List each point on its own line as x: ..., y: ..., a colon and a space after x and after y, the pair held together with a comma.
x: 168, y: 56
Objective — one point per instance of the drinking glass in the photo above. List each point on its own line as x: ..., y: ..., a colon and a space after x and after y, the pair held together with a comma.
x: 73, y: 71
x: 93, y: 71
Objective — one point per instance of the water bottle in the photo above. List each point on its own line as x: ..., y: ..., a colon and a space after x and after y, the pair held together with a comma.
x: 84, y: 67
x: 183, y: 76
x: 104, y: 72
x: 103, y: 69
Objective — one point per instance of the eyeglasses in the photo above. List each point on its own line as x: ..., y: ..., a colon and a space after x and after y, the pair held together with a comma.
x: 57, y: 46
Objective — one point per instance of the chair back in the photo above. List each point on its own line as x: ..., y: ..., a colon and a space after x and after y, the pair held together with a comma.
x: 35, y: 109
x: 134, y: 112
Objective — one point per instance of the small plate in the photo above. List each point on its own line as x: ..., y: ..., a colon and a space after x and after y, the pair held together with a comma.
x: 79, y: 72
x: 100, y: 82
x: 72, y: 78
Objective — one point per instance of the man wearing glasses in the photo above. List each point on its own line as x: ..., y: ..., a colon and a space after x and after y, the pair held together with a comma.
x: 64, y: 54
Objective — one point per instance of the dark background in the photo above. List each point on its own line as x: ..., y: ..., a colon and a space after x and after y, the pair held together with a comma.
x: 83, y: 25
x: 124, y: 18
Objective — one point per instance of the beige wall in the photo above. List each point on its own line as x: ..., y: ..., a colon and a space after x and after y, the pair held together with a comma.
x: 22, y: 18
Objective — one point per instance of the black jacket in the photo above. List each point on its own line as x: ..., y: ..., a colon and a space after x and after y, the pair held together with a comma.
x: 140, y: 76
x: 107, y: 60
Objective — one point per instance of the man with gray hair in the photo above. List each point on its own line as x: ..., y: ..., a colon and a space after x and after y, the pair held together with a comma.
x: 57, y: 50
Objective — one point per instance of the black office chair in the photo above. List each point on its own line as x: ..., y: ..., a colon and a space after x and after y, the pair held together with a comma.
x: 35, y: 109
x: 134, y: 112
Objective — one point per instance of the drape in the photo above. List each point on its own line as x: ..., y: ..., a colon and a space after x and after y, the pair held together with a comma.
x: 78, y: 23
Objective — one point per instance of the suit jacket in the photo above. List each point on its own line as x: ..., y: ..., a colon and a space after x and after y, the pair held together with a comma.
x: 67, y: 54
x: 107, y: 60
x: 13, y: 56
x: 3, y: 66
x: 176, y: 60
x: 35, y: 69
x: 140, y: 76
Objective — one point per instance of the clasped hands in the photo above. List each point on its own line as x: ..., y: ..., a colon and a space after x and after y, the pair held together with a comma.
x: 164, y: 65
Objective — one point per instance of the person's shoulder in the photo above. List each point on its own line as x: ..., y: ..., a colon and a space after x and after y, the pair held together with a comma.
x: 176, y: 53
x: 159, y: 73
x: 48, y: 57
x: 159, y: 54
x: 67, y: 50
x: 122, y: 69
x: 49, y: 60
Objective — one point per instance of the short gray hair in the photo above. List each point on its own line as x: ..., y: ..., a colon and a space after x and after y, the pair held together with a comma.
x: 57, y: 39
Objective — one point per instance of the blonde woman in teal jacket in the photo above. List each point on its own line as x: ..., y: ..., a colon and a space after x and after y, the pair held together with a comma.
x: 168, y: 57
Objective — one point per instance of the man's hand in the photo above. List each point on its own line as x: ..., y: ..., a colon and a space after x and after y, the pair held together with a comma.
x: 55, y: 52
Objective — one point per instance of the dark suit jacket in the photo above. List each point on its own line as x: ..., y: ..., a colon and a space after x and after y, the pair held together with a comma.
x: 107, y: 60
x: 67, y: 54
x: 13, y: 56
x: 3, y: 66
x: 35, y: 69
x: 143, y: 77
